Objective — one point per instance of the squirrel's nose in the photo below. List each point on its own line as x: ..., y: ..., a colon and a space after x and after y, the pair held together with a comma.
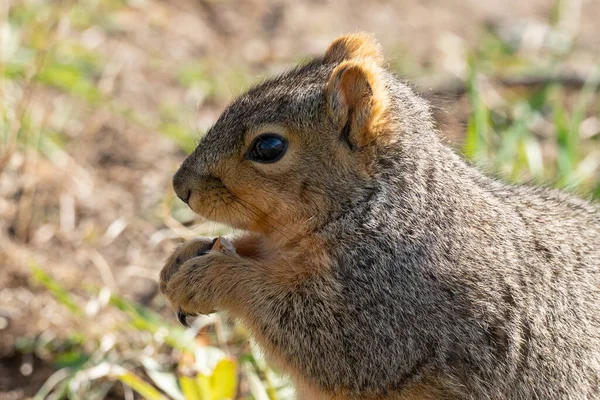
x: 183, y: 181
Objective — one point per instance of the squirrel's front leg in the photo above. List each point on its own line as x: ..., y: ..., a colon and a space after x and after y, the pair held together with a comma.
x: 194, y: 278
x: 279, y: 296
x: 186, y: 251
x: 202, y: 283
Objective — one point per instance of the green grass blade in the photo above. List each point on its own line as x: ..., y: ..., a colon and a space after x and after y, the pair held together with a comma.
x: 476, y: 140
x: 58, y: 291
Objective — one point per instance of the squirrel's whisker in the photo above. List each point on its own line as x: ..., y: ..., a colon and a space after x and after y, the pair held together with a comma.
x: 260, y: 215
x: 260, y: 219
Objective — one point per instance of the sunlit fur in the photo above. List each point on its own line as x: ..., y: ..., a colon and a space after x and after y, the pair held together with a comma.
x: 377, y: 264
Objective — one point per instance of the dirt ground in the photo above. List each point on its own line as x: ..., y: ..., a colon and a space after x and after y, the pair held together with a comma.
x: 99, y: 210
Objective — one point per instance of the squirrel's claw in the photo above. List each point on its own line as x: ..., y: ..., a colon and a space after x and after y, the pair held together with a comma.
x: 182, y: 318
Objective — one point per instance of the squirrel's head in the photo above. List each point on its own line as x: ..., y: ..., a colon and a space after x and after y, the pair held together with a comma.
x: 298, y: 149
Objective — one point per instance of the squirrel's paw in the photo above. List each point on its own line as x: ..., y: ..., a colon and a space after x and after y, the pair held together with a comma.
x: 193, y: 248
x: 192, y: 277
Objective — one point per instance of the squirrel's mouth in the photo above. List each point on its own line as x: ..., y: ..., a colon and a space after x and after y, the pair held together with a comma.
x: 219, y: 204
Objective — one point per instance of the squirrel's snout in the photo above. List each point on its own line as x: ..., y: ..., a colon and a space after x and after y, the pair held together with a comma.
x: 185, y: 198
x: 182, y: 184
x: 188, y: 182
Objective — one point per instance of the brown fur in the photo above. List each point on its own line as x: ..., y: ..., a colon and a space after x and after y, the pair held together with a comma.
x: 354, y: 88
x: 358, y: 45
x: 379, y: 265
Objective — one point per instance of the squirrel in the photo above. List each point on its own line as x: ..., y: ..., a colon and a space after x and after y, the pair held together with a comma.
x: 375, y: 262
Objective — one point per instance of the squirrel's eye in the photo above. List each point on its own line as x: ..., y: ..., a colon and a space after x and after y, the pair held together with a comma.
x: 267, y: 148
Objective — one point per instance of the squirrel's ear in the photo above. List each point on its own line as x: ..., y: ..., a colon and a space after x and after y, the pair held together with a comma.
x: 358, y: 101
x: 355, y: 45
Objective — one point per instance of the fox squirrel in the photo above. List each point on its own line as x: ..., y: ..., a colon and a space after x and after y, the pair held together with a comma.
x: 376, y: 263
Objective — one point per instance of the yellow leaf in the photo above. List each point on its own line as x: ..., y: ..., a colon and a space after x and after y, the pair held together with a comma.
x: 190, y: 389
x: 223, y: 381
x: 146, y: 390
x: 203, y: 385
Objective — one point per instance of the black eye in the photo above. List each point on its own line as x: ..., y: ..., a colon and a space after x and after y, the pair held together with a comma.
x: 267, y: 148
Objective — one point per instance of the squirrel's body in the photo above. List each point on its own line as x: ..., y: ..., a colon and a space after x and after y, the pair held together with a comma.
x: 498, y: 284
x: 390, y: 268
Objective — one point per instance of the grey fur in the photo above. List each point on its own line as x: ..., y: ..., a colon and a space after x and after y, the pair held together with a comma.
x: 440, y: 272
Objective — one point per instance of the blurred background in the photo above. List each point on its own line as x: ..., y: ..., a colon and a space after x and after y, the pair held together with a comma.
x: 101, y: 100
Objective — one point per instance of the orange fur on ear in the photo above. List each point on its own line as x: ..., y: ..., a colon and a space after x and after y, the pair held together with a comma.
x: 359, y: 101
x: 355, y: 45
